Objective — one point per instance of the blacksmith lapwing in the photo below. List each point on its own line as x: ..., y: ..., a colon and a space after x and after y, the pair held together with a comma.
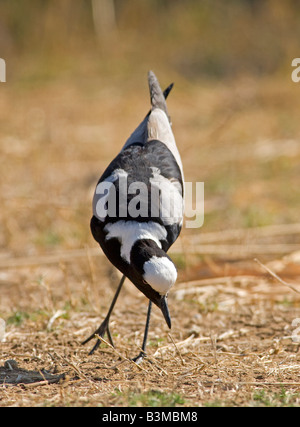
x: 138, y: 210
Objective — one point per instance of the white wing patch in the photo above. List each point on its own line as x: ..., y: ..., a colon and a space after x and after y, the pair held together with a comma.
x: 166, y: 198
x: 104, y: 200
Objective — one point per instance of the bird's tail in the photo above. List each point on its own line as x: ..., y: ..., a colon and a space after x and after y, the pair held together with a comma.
x: 157, y: 96
x: 158, y: 100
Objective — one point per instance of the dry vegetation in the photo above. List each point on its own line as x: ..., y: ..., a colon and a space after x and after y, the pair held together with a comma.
x: 232, y: 340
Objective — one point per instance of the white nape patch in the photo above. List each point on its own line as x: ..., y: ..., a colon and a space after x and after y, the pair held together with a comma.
x: 128, y: 232
x: 105, y: 190
x: 160, y: 273
x: 166, y: 198
x: 159, y: 128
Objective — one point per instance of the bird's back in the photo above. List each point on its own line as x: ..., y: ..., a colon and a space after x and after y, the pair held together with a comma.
x: 139, y: 197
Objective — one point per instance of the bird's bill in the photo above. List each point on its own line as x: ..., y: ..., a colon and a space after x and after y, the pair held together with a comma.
x: 163, y: 305
x: 160, y: 300
x: 154, y: 296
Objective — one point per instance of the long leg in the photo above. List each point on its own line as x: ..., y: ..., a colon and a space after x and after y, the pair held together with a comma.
x: 104, y: 327
x: 143, y: 353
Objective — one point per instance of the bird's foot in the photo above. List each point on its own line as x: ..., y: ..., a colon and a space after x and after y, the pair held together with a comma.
x: 138, y: 359
x: 100, y: 332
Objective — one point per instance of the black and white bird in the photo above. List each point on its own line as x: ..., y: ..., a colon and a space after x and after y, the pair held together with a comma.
x: 138, y: 210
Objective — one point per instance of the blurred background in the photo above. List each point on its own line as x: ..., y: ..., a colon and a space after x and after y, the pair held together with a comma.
x: 42, y: 40
x: 76, y: 88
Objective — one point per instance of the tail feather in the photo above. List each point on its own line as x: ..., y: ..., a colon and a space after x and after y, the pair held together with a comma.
x: 157, y: 101
x: 156, y: 94
x: 168, y: 90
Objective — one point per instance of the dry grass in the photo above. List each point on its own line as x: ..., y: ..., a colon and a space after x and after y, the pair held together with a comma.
x: 232, y: 337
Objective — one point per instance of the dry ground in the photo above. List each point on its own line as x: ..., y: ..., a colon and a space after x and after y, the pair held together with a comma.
x: 232, y: 341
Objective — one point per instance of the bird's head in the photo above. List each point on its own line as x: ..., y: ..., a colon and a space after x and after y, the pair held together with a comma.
x: 155, y: 273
